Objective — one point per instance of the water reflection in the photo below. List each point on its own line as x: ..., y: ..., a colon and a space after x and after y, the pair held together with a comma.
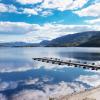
x: 20, y: 74
x: 81, y: 56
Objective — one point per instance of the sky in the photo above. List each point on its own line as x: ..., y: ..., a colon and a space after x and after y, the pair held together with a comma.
x: 38, y: 20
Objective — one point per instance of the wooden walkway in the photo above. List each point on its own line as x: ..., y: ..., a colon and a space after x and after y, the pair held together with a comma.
x: 69, y: 63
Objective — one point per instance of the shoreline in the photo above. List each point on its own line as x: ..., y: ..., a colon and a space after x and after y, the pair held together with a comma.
x: 89, y: 94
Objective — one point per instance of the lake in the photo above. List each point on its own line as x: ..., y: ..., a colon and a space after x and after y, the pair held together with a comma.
x: 21, y: 78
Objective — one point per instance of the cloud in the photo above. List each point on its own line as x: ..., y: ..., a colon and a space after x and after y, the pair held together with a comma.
x: 56, y: 90
x: 19, y: 69
x: 16, y: 27
x: 29, y: 1
x: 30, y: 11
x: 3, y: 8
x: 92, y: 80
x: 46, y: 7
x: 2, y: 97
x: 7, y: 85
x: 16, y: 65
x: 60, y: 5
x: 31, y: 81
x: 26, y: 66
x: 55, y: 4
x: 94, y: 21
x: 48, y: 90
x: 36, y: 32
x: 30, y: 95
x: 62, y: 88
x: 63, y: 5
x: 92, y: 10
x: 47, y: 79
x: 78, y: 4
x: 36, y: 11
x: 7, y: 8
x: 46, y: 13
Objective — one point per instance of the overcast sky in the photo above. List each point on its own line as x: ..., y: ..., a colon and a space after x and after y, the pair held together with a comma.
x: 37, y: 20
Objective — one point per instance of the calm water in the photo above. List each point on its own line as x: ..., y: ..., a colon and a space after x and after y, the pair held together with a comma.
x: 21, y: 78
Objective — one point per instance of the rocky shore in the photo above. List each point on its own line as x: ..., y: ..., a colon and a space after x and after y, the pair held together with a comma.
x: 91, y: 94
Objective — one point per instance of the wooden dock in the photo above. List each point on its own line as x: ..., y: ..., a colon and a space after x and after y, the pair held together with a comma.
x: 68, y: 63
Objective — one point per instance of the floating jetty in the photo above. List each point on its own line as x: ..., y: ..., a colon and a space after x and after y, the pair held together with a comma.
x: 84, y: 65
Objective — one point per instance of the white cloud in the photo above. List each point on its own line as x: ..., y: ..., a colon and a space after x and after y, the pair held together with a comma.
x: 30, y: 11
x: 46, y: 79
x: 60, y: 5
x: 49, y: 90
x: 63, y: 5
x: 16, y: 27
x: 63, y: 88
x: 94, y: 21
x: 57, y: 4
x: 12, y: 8
x: 93, y: 80
x: 31, y: 81
x: 2, y: 97
x: 50, y: 31
x: 92, y: 10
x: 46, y: 13
x: 35, y: 32
x: 11, y: 68
x: 3, y: 86
x: 78, y: 4
x: 55, y: 90
x: 29, y: 1
x: 30, y: 95
x: 3, y: 8
x: 7, y: 8
x: 7, y: 85
x: 36, y: 11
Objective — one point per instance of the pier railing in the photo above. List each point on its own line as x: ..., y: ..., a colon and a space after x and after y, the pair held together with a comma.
x: 69, y: 63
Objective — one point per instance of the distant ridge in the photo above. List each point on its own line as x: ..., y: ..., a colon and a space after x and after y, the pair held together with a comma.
x: 88, y: 39
x: 18, y: 44
x: 82, y: 39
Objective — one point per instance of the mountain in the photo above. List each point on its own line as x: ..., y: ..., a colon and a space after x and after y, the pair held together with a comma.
x: 92, y: 42
x: 24, y: 44
x: 18, y: 44
x: 83, y: 39
x: 77, y: 39
x: 44, y: 43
